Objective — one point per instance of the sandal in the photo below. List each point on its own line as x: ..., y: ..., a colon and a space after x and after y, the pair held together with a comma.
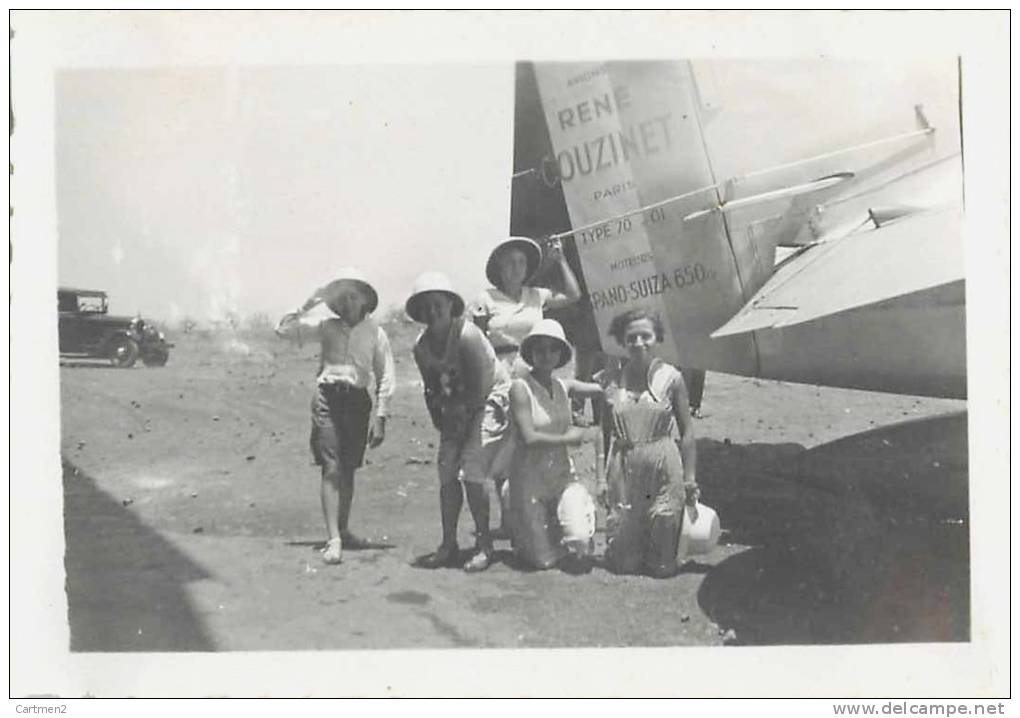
x: 443, y: 557
x: 479, y: 562
x: 331, y: 554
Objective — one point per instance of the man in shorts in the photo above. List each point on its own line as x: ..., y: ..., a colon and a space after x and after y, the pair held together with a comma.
x: 355, y: 363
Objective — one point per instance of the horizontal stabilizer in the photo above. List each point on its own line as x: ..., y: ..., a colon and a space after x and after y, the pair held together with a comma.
x: 783, y: 193
x: 915, y: 252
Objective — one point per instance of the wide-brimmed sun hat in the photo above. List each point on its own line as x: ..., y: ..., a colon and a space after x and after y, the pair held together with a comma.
x: 547, y: 328
x: 532, y: 252
x: 431, y: 282
x: 350, y: 275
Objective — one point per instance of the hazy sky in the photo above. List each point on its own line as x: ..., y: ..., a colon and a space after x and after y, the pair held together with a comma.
x: 193, y: 191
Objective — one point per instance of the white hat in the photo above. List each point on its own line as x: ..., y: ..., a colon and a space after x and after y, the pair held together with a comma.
x: 532, y: 252
x: 576, y: 513
x: 350, y: 275
x: 702, y: 535
x: 431, y: 282
x: 547, y: 328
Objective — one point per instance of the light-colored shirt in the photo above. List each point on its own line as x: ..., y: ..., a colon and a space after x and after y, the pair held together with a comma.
x: 358, y: 355
x: 508, y: 320
x: 545, y: 470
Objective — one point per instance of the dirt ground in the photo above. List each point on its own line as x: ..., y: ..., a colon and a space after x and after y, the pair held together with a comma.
x: 192, y: 521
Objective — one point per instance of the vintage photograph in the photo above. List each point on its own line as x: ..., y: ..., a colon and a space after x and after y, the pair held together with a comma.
x: 528, y: 353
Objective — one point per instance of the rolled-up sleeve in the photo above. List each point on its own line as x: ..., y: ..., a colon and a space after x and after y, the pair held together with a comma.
x: 480, y: 311
x: 385, y: 373
x: 290, y: 325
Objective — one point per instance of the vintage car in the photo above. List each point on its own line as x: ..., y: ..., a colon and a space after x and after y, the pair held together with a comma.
x: 86, y: 329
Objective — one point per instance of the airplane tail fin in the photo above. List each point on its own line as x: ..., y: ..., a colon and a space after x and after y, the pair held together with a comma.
x: 622, y: 161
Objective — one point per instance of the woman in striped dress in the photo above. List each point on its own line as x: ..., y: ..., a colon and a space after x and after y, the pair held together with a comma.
x: 650, y: 477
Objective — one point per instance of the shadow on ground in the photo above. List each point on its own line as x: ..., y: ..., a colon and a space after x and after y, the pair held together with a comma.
x: 862, y: 540
x: 362, y: 545
x: 89, y: 364
x: 125, y: 584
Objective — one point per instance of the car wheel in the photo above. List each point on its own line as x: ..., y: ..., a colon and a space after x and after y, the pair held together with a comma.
x: 158, y: 357
x: 124, y: 352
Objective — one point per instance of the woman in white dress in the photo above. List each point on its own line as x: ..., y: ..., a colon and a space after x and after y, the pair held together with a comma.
x: 544, y: 492
x: 508, y: 309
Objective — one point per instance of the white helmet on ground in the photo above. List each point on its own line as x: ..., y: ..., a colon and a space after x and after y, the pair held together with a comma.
x: 576, y: 514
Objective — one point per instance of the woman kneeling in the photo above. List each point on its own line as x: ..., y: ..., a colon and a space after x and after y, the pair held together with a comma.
x: 544, y: 491
x: 650, y: 478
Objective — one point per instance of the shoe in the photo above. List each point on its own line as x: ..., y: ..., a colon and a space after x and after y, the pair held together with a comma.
x: 575, y: 564
x: 444, y: 557
x: 580, y: 549
x: 479, y: 562
x: 332, y: 553
x: 663, y: 571
x: 696, y: 413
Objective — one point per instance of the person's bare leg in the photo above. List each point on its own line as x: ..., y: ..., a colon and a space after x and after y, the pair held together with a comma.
x: 478, y: 503
x: 451, y: 499
x: 345, y: 500
x: 498, y: 472
x: 329, y: 495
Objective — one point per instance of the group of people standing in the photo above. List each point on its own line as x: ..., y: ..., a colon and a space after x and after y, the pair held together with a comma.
x: 503, y: 416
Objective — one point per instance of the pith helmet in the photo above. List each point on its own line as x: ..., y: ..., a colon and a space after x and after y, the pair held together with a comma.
x: 701, y: 536
x: 431, y: 282
x: 547, y: 328
x: 351, y: 275
x: 576, y: 513
x: 532, y: 252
